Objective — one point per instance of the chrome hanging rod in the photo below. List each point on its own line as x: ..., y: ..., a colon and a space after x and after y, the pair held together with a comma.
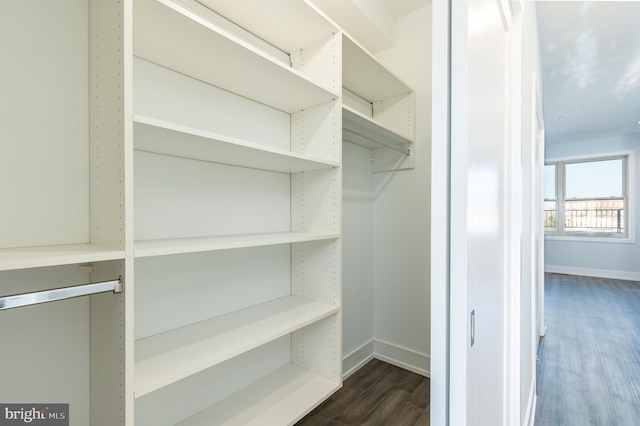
x: 353, y: 138
x: 19, y: 300
x: 354, y: 130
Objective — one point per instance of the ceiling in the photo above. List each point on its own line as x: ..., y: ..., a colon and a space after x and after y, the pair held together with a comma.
x: 399, y: 8
x: 372, y: 22
x: 591, y: 68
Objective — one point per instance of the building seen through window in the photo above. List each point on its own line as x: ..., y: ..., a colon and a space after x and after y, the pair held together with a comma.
x: 586, y: 198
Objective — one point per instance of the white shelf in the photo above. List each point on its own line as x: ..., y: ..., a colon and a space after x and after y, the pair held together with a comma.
x: 286, y: 24
x: 362, y: 130
x: 36, y: 257
x: 281, y: 398
x: 162, y: 137
x: 366, y: 77
x: 171, y: 34
x: 199, y: 244
x: 168, y: 357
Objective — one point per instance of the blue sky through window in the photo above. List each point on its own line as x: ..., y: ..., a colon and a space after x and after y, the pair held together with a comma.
x: 594, y: 179
x: 550, y: 182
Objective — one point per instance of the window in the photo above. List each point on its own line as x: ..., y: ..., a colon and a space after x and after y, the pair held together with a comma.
x: 586, y: 198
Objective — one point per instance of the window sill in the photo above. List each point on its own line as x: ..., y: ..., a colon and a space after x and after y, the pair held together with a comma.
x: 626, y: 240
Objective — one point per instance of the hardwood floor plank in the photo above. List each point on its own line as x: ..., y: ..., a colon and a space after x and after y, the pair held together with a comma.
x: 377, y: 394
x: 561, y: 405
x: 324, y: 414
x: 410, y: 382
x: 627, y: 413
x: 357, y: 384
x: 314, y: 419
x: 425, y: 418
x: 421, y: 396
x: 365, y: 394
x: 591, y: 357
x: 598, y: 398
x: 387, y: 408
x: 367, y: 400
x: 408, y: 415
x: 616, y: 376
x: 589, y: 367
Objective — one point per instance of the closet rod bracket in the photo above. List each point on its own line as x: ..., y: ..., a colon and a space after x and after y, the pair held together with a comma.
x: 119, y: 286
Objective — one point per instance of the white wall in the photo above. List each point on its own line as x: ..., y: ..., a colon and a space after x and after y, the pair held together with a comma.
x: 402, y: 210
x: 606, y: 259
x: 357, y: 268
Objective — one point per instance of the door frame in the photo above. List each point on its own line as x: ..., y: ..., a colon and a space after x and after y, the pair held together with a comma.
x: 440, y: 211
x: 538, y: 139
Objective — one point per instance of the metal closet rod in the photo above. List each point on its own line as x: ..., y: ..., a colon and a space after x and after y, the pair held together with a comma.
x: 405, y: 151
x: 26, y: 299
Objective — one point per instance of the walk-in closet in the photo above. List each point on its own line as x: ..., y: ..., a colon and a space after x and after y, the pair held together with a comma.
x: 212, y: 211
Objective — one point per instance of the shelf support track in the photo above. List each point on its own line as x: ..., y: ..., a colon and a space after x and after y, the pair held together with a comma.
x: 26, y: 299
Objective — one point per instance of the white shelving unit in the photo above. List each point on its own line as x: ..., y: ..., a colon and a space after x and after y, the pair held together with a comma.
x: 236, y: 134
x: 378, y: 109
x: 63, y: 218
x: 194, y: 151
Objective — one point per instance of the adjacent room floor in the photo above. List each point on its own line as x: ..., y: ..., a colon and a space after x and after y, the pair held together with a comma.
x: 377, y: 394
x: 589, y: 367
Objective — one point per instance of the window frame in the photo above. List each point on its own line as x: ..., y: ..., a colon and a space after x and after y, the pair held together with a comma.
x: 628, y: 196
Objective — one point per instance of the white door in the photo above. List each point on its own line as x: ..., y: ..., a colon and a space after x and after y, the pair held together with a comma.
x: 479, y: 235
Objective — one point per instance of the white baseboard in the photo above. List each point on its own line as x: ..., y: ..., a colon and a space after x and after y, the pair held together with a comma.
x: 403, y: 357
x: 530, y: 415
x: 354, y: 360
x: 589, y: 272
x: 385, y: 351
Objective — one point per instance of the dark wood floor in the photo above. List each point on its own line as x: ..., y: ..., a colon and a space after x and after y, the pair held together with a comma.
x: 377, y: 394
x: 589, y: 368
